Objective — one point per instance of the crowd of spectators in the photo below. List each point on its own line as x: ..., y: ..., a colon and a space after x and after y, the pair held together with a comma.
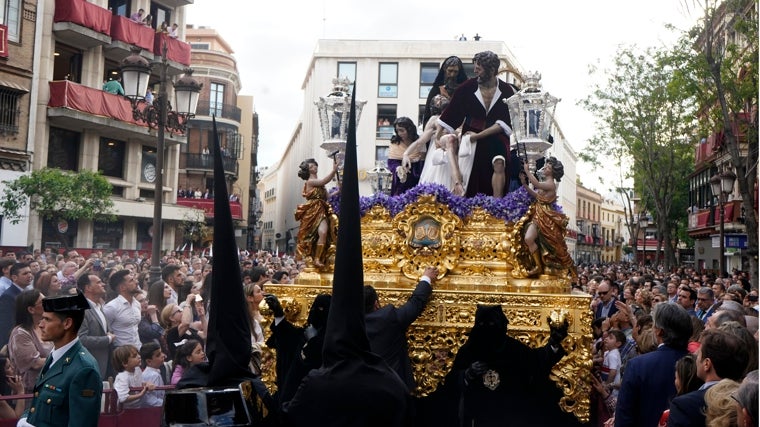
x: 128, y: 312
x: 674, y: 347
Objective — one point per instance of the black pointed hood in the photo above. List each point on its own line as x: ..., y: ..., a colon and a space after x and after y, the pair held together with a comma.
x: 345, y: 336
x: 229, y: 332
x: 354, y: 387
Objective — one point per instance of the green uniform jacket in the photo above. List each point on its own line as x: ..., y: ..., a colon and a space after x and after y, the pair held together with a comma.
x: 68, y: 394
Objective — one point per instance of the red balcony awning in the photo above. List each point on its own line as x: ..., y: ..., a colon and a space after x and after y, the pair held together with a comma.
x: 3, y: 41
x: 83, y: 13
x: 702, y: 218
x: 131, y: 32
x: 176, y: 50
x: 208, y: 206
x: 67, y: 94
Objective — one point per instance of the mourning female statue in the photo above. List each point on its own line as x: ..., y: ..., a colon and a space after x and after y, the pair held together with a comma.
x: 317, y: 228
x: 545, y: 233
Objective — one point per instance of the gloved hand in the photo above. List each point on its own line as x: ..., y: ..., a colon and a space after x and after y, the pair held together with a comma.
x: 557, y: 333
x: 274, y: 305
x: 476, y: 370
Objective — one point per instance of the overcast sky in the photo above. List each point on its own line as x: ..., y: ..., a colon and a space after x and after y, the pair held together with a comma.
x: 273, y: 43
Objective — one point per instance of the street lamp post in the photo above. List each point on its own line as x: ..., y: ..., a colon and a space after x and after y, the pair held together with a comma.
x: 159, y: 115
x: 643, y: 224
x: 722, y: 184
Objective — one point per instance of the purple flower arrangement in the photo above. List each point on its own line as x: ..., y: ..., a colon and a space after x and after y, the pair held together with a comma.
x: 510, y: 208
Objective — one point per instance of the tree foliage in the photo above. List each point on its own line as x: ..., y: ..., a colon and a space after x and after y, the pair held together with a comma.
x: 642, y: 119
x: 53, y: 193
x: 721, y: 62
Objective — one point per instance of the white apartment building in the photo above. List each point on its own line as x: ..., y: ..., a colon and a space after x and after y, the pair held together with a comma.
x: 394, y: 78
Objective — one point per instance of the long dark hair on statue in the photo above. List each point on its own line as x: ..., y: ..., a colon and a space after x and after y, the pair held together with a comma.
x: 408, y: 125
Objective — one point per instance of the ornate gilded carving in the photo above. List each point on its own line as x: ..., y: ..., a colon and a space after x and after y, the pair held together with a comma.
x: 427, y: 233
x: 484, y: 262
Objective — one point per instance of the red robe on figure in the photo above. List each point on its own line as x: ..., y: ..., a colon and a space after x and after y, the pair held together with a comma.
x: 468, y: 110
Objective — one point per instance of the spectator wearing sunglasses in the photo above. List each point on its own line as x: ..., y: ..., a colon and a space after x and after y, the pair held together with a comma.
x: 606, y: 306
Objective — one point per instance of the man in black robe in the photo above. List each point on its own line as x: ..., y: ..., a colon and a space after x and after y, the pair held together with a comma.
x: 497, y: 380
x: 299, y: 349
x: 479, y: 106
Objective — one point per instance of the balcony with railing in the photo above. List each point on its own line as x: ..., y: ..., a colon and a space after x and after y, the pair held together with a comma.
x: 223, y: 111
x: 713, y: 144
x: 177, y: 51
x: 76, y: 107
x: 703, y: 221
x: 81, y: 24
x: 205, y: 162
x: 126, y: 33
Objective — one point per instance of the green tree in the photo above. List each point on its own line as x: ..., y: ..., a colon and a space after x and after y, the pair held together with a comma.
x: 53, y: 193
x: 721, y: 54
x: 642, y: 117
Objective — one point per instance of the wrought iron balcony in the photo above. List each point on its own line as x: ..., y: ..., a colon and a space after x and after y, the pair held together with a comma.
x: 224, y: 111
x: 206, y: 162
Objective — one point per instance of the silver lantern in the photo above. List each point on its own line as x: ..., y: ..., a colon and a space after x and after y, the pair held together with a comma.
x: 532, y: 114
x: 334, y: 110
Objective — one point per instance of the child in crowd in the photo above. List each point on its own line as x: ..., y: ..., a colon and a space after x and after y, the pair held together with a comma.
x: 188, y: 354
x: 153, y: 358
x: 126, y: 361
x: 611, y: 365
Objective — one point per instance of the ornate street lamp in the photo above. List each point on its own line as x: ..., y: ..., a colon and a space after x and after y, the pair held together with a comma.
x: 380, y: 178
x: 722, y: 184
x: 643, y: 224
x: 532, y: 113
x: 333, y: 118
x: 135, y: 71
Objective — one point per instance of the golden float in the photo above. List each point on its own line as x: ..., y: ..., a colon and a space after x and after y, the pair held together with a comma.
x: 481, y: 260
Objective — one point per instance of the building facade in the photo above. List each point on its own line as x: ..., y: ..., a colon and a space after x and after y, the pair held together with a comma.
x: 712, y: 157
x: 588, y: 214
x: 79, y: 126
x: 215, y: 66
x: 393, y: 78
x: 21, y: 24
x: 614, y: 232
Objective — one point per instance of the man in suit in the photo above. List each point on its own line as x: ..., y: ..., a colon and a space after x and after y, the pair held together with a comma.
x: 21, y: 277
x: 94, y: 333
x: 647, y: 385
x: 386, y: 326
x: 605, y: 306
x: 705, y: 303
x: 69, y: 388
x: 720, y: 355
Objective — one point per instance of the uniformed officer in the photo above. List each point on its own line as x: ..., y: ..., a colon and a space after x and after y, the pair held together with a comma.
x: 68, y: 390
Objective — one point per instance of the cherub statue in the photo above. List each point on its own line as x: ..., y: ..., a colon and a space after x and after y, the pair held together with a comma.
x: 318, y: 222
x: 545, y: 233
